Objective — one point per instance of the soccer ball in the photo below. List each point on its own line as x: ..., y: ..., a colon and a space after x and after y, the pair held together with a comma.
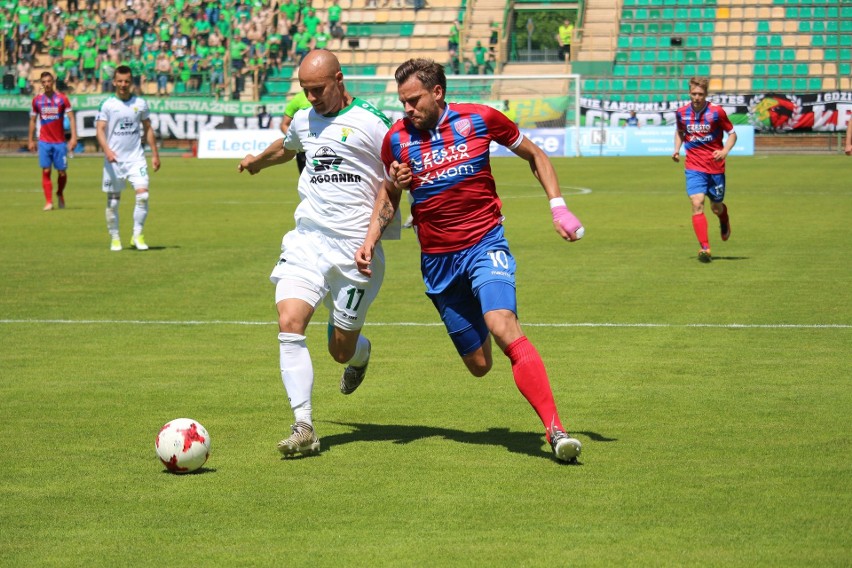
x: 183, y: 445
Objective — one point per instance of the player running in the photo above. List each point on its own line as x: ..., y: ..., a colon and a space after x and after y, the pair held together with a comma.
x: 50, y: 109
x: 121, y: 122
x: 469, y: 271
x: 700, y: 128
x: 341, y: 137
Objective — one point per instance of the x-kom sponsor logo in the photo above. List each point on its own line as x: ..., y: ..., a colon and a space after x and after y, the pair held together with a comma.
x: 443, y: 163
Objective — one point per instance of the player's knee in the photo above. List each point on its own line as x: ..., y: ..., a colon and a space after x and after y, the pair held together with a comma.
x: 142, y: 197
x: 113, y: 199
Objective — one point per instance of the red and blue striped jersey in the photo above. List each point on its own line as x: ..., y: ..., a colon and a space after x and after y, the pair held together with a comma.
x: 455, y: 197
x: 51, y: 112
x: 702, y: 133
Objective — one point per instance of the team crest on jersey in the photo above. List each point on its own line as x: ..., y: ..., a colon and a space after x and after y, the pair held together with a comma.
x: 346, y: 132
x: 462, y: 126
x: 325, y: 159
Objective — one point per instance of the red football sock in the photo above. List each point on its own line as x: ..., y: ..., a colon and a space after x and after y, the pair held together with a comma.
x: 699, y: 223
x: 47, y: 186
x: 531, y: 379
x: 63, y: 179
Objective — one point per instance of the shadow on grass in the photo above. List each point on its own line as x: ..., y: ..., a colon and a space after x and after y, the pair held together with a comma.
x: 526, y: 443
x: 199, y: 471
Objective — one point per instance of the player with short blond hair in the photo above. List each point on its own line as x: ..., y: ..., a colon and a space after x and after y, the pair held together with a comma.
x: 700, y: 128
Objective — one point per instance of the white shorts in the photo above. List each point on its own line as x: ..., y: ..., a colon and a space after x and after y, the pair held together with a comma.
x: 117, y: 174
x: 325, y: 270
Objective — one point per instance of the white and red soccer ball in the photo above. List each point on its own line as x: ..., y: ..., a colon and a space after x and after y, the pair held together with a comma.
x: 183, y: 445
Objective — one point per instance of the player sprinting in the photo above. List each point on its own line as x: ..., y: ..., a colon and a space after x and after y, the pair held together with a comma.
x: 341, y: 137
x: 700, y: 128
x: 121, y: 122
x: 469, y: 271
x: 50, y: 109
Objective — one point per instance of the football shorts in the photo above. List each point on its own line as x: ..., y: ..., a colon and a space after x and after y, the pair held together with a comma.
x: 117, y: 174
x: 53, y: 154
x: 326, y: 270
x: 712, y: 185
x: 466, y: 284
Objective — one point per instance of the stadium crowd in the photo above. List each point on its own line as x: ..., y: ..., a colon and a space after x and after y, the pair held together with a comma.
x: 178, y: 45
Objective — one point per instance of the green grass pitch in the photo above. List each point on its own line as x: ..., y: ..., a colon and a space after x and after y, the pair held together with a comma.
x: 714, y: 401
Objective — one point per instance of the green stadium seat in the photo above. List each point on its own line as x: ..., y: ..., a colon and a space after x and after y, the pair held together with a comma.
x: 763, y: 27
x: 773, y: 84
x: 705, y: 56
x: 621, y: 57
x: 661, y: 71
x: 635, y: 56
x: 664, y: 56
x: 761, y: 55
x: 638, y: 29
x: 625, y: 29
x: 653, y: 28
x: 761, y: 41
x: 619, y: 70
x: 704, y: 70
x: 773, y: 70
x: 801, y: 69
x: 643, y: 98
x: 800, y: 84
x: 691, y: 57
x: 666, y: 28
x: 758, y: 84
x: 617, y: 85
x: 651, y: 42
x: 788, y: 55
x: 845, y: 69
x: 805, y: 27
x: 631, y: 85
x: 668, y: 14
x: 645, y: 85
x: 623, y: 42
x: 786, y: 84
x: 759, y: 70
x: 787, y: 70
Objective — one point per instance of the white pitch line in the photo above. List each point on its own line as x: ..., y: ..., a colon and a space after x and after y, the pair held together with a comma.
x: 438, y: 324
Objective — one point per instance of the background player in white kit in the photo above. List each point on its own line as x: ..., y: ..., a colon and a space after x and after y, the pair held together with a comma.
x: 121, y: 122
x: 341, y: 137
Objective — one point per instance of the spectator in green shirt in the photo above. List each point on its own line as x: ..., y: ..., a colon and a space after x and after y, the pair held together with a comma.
x: 89, y: 65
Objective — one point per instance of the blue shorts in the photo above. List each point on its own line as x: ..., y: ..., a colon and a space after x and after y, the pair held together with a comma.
x: 53, y: 154
x: 468, y: 283
x: 712, y: 185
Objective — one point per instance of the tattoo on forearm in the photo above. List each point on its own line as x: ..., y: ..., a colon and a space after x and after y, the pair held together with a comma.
x: 385, y: 215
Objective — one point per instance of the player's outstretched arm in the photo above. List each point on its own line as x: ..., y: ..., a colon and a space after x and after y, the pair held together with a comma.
x: 564, y: 222
x: 274, y: 154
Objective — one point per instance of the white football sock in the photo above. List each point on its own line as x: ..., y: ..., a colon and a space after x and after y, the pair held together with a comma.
x: 112, y: 214
x: 140, y: 212
x: 362, y: 352
x: 297, y: 373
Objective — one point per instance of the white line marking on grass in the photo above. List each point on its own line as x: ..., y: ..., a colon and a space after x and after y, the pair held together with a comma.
x: 437, y: 324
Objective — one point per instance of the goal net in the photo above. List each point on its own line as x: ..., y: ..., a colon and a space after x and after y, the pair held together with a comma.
x: 532, y: 101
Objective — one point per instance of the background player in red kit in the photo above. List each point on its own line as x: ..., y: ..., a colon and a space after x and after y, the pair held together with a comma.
x: 701, y: 125
x: 440, y: 152
x: 50, y: 109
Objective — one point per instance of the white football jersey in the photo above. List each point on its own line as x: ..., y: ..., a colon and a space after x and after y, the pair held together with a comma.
x: 124, y: 126
x: 344, y: 170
